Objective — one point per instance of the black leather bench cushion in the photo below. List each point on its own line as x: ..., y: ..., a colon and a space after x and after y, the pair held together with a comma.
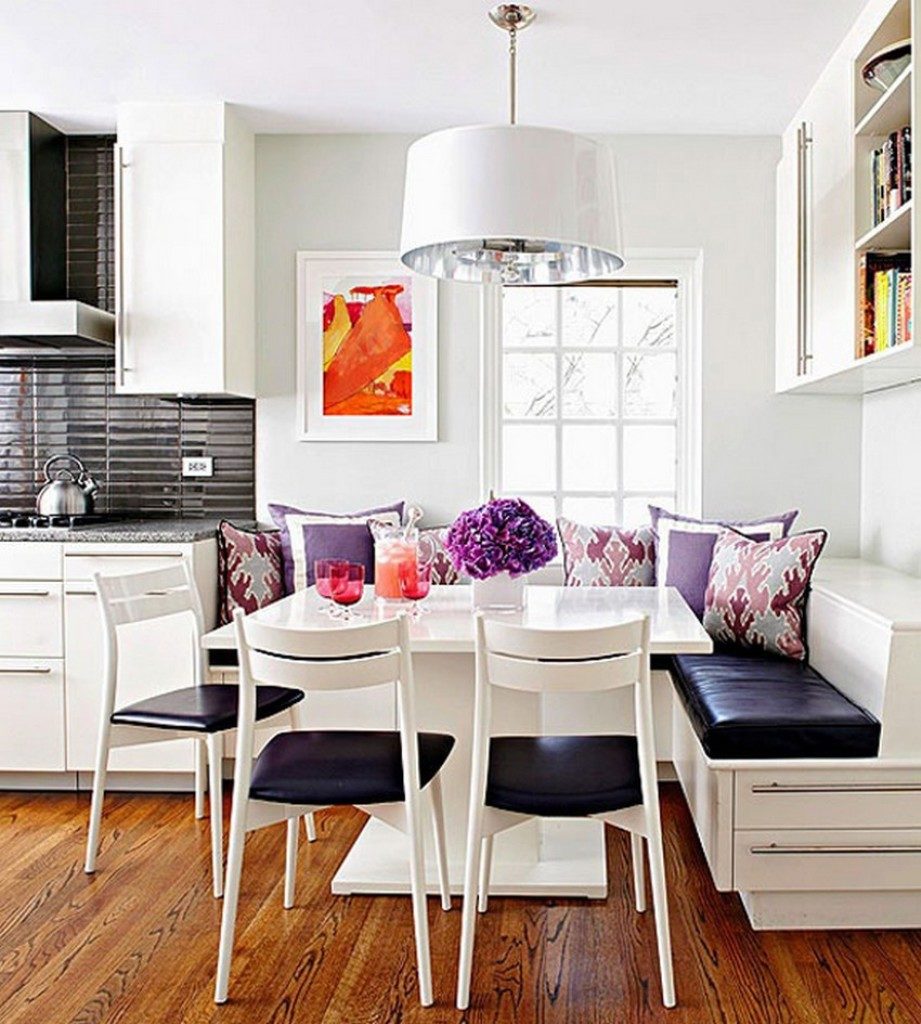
x: 563, y: 776
x: 210, y: 708
x: 748, y: 706
x: 339, y: 767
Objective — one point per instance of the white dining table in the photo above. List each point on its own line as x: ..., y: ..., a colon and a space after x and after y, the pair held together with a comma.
x: 552, y: 857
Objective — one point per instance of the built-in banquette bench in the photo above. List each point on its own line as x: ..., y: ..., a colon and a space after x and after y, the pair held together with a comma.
x: 805, y: 782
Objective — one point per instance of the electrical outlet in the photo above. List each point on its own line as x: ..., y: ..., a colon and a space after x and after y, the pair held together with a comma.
x: 198, y: 465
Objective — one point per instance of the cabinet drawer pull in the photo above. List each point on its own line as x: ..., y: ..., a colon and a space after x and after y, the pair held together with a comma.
x: 126, y: 554
x: 773, y: 849
x: 35, y: 670
x: 25, y: 593
x: 839, y: 787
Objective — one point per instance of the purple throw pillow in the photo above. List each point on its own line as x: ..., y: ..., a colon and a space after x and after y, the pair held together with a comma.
x: 684, y: 548
x: 249, y: 569
x: 350, y: 542
x: 279, y: 515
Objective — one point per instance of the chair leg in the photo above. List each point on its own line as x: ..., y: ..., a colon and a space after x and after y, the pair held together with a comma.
x: 660, y: 905
x: 468, y: 918
x: 485, y: 872
x: 291, y: 861
x: 201, y: 775
x: 99, y: 786
x: 216, y: 808
x: 420, y: 911
x: 231, y: 897
x: 441, y: 852
x: 310, y: 826
x: 639, y: 874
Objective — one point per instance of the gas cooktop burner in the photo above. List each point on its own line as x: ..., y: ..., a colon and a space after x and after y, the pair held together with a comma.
x: 32, y: 521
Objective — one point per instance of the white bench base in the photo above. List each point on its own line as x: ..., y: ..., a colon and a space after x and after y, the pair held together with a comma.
x: 797, y: 911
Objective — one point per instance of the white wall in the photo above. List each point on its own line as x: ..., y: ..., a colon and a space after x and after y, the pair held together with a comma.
x: 891, y: 494
x: 762, y: 453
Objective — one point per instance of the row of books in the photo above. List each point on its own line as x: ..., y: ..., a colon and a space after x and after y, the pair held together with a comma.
x: 890, y: 172
x: 885, y: 289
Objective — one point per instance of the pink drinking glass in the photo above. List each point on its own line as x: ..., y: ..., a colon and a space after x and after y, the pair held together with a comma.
x: 347, y: 589
x: 324, y: 571
x: 415, y: 582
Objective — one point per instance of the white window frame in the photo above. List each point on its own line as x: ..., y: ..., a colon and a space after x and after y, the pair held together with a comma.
x: 685, y: 266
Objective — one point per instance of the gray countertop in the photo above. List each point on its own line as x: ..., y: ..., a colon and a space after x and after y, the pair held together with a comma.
x: 130, y: 531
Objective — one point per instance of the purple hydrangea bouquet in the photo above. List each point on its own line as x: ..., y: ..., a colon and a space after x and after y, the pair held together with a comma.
x: 503, y: 538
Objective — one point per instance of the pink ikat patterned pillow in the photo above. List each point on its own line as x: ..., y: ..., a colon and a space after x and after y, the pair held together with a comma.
x: 607, y: 556
x: 756, y: 591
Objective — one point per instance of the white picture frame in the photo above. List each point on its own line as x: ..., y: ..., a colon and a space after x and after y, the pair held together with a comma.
x: 316, y: 271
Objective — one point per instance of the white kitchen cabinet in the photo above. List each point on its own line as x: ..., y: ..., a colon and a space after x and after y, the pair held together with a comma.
x: 31, y: 619
x: 815, y: 277
x: 32, y: 722
x: 185, y: 236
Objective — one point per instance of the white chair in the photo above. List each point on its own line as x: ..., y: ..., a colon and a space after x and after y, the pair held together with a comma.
x: 515, y: 778
x: 382, y: 773
x: 200, y: 712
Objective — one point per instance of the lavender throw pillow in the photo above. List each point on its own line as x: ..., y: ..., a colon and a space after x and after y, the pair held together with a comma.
x: 684, y: 548
x: 351, y: 542
x: 279, y: 514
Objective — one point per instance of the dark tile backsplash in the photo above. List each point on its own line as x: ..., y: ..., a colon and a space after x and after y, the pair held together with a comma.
x: 132, y: 445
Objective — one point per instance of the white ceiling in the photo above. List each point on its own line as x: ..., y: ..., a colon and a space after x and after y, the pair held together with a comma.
x: 708, y: 66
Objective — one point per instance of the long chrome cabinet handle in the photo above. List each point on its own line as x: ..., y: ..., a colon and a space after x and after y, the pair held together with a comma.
x: 25, y: 593
x: 772, y: 849
x: 839, y: 787
x: 37, y: 670
x: 803, y: 249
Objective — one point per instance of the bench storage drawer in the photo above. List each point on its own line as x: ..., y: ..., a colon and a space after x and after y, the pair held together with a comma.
x: 827, y: 860
x: 828, y: 799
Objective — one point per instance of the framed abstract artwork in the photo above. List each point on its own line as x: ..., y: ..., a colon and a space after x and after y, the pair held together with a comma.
x: 367, y: 349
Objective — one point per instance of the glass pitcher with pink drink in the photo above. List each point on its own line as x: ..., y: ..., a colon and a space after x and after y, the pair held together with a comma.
x: 396, y: 552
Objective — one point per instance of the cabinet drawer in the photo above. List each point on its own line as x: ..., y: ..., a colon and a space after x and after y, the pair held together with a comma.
x: 31, y: 620
x: 825, y: 799
x: 31, y: 715
x: 30, y: 560
x: 80, y: 565
x: 827, y: 860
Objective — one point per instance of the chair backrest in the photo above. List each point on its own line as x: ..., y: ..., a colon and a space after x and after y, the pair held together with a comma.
x: 562, y: 661
x: 142, y: 597
x: 342, y: 657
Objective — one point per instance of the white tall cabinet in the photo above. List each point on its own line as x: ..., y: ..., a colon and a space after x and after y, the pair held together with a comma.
x: 824, y: 224
x: 185, y: 237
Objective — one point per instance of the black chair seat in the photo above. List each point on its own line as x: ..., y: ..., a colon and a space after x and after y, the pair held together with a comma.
x: 748, y: 706
x: 340, y: 768
x: 206, y: 709
x: 563, y: 776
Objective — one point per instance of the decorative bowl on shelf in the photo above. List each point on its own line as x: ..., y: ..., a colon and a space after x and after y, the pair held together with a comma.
x: 883, y: 68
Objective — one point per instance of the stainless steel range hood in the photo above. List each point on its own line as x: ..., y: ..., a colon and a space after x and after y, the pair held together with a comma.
x: 35, y: 313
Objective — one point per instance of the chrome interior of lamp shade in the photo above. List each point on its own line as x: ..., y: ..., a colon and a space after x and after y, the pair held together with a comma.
x: 512, y: 262
x: 510, y: 204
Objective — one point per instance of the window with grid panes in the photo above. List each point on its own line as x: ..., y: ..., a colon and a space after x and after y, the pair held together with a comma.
x: 589, y: 395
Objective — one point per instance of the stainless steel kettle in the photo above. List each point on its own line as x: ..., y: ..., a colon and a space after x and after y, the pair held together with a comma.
x: 69, y: 489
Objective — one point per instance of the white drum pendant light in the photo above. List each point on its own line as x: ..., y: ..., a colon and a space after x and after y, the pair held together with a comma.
x: 511, y: 204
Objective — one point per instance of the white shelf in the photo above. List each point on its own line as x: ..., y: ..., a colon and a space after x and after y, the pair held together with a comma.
x: 893, y: 233
x: 876, y: 372
x: 891, y: 111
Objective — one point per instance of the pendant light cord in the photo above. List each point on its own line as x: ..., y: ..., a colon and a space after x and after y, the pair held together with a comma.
x: 513, y: 73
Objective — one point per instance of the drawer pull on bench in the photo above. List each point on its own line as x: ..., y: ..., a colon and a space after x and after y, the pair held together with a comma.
x: 840, y: 787
x: 775, y: 849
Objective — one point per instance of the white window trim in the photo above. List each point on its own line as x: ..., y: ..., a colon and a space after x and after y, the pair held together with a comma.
x: 682, y: 265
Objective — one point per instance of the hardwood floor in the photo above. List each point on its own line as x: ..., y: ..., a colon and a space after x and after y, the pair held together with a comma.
x: 137, y: 943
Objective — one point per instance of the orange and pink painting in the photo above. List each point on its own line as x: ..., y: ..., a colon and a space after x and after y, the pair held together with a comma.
x: 367, y: 346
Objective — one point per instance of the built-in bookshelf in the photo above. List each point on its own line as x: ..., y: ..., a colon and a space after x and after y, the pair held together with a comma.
x: 884, y: 216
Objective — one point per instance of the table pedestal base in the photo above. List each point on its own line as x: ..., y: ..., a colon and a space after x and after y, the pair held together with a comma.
x: 559, y: 858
